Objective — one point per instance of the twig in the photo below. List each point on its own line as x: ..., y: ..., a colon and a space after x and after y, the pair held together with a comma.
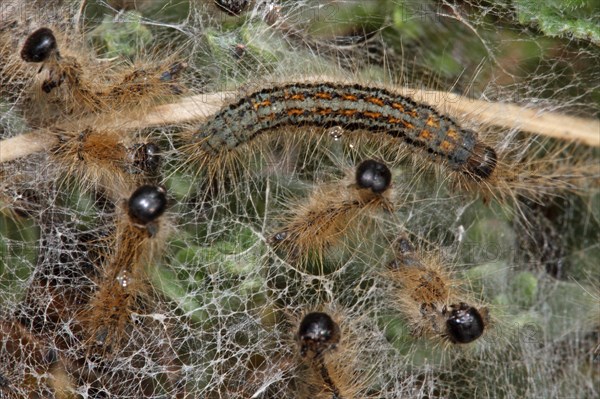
x: 195, y: 108
x: 23, y: 145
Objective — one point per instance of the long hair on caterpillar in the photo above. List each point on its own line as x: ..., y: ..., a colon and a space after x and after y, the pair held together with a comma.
x: 121, y: 290
x: 333, y: 212
x: 432, y: 300
x: 51, y: 75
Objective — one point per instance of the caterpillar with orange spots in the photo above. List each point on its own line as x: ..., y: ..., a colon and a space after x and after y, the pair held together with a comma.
x: 353, y: 107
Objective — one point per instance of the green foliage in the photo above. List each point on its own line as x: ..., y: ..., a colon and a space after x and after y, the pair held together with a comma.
x: 126, y: 37
x: 579, y: 19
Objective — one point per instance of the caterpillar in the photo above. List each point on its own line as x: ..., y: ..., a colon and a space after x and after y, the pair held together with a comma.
x: 332, y: 211
x: 526, y: 169
x: 60, y: 83
x: 218, y: 366
x: 106, y: 160
x: 325, y: 348
x: 122, y: 285
x: 317, y: 334
x: 353, y: 107
x: 431, y: 299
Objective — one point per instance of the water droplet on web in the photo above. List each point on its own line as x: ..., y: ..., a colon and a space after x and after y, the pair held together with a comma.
x: 336, y: 132
x: 123, y: 279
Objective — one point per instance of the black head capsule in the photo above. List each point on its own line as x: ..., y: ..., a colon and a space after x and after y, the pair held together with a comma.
x: 147, y: 203
x: 39, y: 46
x: 465, y: 324
x: 317, y: 333
x: 373, y: 175
x: 482, y: 162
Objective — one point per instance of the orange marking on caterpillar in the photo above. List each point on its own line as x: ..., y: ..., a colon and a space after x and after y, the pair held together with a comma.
x: 265, y: 103
x: 425, y: 135
x: 447, y: 146
x: 374, y: 100
x: 453, y: 134
x: 323, y: 96
x: 373, y: 115
x: 294, y: 111
x: 347, y: 112
x: 298, y: 97
x: 397, y: 106
x: 432, y: 122
x: 354, y: 107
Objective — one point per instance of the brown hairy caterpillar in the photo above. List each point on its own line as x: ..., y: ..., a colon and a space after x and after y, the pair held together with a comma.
x: 324, y: 347
x: 431, y: 298
x: 332, y: 211
x: 64, y: 282
x: 108, y: 160
x: 55, y: 81
x: 224, y: 309
x: 123, y: 282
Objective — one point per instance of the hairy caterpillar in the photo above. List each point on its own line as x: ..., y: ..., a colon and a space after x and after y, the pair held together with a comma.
x: 212, y: 372
x: 526, y: 169
x: 321, y: 346
x: 59, y: 82
x: 317, y: 334
x: 431, y: 299
x: 353, y: 107
x: 123, y: 282
x: 328, y: 216
x: 106, y: 160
